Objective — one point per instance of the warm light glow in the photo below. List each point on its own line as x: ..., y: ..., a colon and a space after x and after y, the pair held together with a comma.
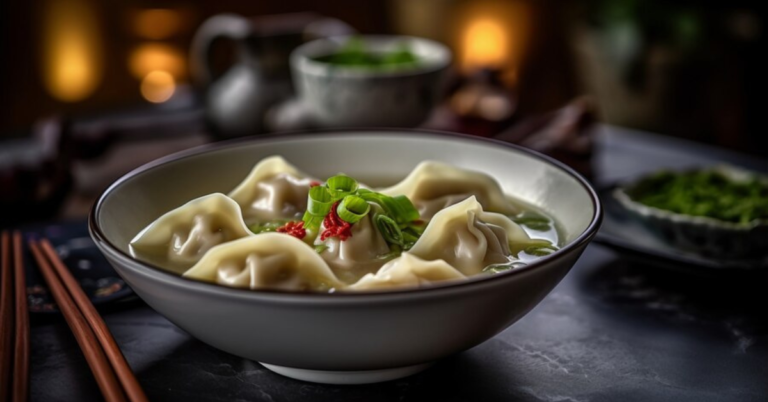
x: 492, y: 33
x: 158, y: 86
x: 71, y: 50
x: 156, y: 56
x: 485, y: 43
x: 157, y: 23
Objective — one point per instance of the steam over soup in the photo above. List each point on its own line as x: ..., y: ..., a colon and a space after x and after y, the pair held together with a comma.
x: 282, y: 229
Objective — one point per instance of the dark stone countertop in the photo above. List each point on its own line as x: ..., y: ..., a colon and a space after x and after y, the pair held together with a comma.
x: 613, y: 330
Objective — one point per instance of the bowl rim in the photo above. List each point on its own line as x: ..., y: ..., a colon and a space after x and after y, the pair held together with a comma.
x: 478, y: 280
x: 302, y: 61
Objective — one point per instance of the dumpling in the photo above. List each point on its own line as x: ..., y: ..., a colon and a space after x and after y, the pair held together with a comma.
x: 408, y: 270
x: 359, y: 254
x: 273, y: 190
x: 265, y: 261
x: 469, y: 239
x: 433, y: 186
x: 182, y: 236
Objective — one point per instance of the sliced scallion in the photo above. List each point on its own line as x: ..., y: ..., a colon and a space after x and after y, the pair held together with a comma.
x: 312, y: 222
x: 353, y: 208
x: 399, y: 208
x: 389, y: 229
x: 319, y: 201
x: 341, y: 185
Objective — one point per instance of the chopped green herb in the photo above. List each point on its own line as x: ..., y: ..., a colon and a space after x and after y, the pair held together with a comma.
x: 353, y: 208
x: 706, y: 193
x: 389, y: 229
x: 267, y: 227
x: 398, y: 222
x: 539, y: 251
x: 533, y: 221
x: 499, y: 268
x: 320, y: 248
x: 354, y: 54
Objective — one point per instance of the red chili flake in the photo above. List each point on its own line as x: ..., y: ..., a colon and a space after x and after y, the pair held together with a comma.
x: 295, y: 229
x: 314, y: 183
x: 335, y: 226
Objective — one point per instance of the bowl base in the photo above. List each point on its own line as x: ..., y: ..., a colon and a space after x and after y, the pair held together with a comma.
x: 347, y: 377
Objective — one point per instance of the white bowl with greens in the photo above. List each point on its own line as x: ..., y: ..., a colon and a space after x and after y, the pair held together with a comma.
x: 387, y: 81
x: 349, y: 336
x: 719, y: 212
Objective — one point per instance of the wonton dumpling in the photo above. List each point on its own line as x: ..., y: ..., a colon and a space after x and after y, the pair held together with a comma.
x: 468, y: 238
x: 359, y: 254
x: 265, y: 261
x: 408, y: 271
x: 274, y: 189
x: 183, y: 235
x: 433, y: 186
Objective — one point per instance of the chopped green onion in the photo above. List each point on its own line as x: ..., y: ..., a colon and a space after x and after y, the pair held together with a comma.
x: 399, y: 208
x: 320, y: 201
x: 320, y: 248
x: 499, y: 268
x: 341, y: 185
x: 389, y: 229
x: 409, y: 237
x: 353, y: 208
x: 403, y: 210
x: 539, y: 251
x: 266, y: 227
x: 533, y: 221
x: 312, y: 222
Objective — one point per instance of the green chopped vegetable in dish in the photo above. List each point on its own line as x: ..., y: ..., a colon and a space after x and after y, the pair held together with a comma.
x: 267, y: 227
x: 533, y: 221
x: 354, y: 54
x: 706, y: 193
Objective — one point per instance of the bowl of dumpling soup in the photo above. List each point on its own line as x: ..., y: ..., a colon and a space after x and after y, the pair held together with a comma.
x: 346, y: 256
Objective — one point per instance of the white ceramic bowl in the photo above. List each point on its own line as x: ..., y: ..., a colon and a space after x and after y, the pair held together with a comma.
x: 350, y: 337
x: 337, y: 96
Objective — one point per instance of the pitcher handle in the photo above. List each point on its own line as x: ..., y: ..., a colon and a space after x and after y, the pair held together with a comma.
x: 229, y: 26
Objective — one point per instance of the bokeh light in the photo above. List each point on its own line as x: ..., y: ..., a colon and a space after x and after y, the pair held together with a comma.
x: 72, y: 65
x: 158, y: 86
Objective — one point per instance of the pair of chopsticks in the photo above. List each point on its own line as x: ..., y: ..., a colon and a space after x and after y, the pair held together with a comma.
x: 14, y: 321
x: 108, y: 365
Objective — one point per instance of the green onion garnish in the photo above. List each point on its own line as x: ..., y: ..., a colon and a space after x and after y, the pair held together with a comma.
x: 400, y: 208
x: 341, y: 185
x: 389, y: 229
x: 533, y: 220
x: 320, y: 248
x: 398, y: 223
x: 539, y: 251
x: 499, y: 268
x: 320, y: 201
x: 404, y: 211
x: 353, y: 208
x: 312, y: 222
x: 266, y: 227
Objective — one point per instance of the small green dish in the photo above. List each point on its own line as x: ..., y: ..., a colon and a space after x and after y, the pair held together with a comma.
x: 701, y: 234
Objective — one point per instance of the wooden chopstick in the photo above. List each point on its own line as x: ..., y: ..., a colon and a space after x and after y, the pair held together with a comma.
x: 21, y: 358
x: 6, y: 318
x: 94, y: 355
x: 119, y: 364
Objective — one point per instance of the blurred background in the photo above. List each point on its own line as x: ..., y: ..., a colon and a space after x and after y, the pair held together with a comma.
x: 681, y: 68
x: 98, y: 72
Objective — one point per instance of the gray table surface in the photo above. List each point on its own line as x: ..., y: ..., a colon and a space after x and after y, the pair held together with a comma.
x: 612, y: 330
